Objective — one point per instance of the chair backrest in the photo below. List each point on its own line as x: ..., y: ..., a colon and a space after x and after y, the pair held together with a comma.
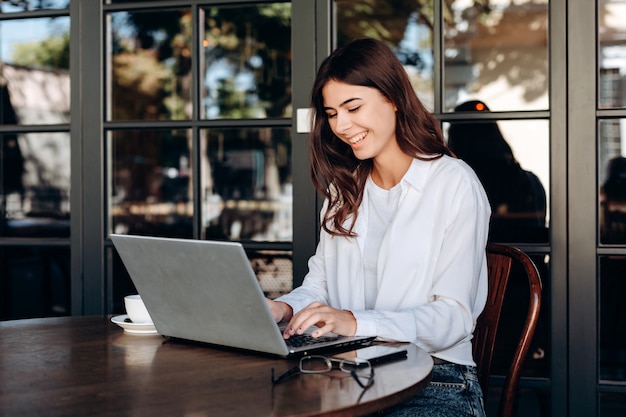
x: 500, y: 259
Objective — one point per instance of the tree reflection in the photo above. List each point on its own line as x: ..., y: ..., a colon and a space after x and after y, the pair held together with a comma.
x: 383, y: 20
x: 246, y: 63
x: 247, y: 51
x: 26, y: 5
x: 151, y: 73
x: 244, y: 72
x: 494, y: 41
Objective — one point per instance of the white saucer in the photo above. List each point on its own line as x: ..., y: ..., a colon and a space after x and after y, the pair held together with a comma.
x: 134, y: 328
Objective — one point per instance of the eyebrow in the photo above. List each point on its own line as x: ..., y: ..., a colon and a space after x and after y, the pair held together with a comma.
x: 348, y: 101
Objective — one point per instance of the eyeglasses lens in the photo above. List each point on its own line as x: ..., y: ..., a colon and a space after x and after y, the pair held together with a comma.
x: 361, y: 369
x: 315, y: 364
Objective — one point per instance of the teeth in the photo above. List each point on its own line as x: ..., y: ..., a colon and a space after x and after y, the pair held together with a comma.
x: 356, y: 139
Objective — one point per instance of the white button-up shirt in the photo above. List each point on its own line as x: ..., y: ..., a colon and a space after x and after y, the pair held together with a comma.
x: 432, y: 272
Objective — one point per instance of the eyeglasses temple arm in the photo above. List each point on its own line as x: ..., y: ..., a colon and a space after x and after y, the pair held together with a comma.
x: 292, y: 371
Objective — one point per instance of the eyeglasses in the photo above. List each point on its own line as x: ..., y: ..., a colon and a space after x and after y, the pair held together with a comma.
x: 362, y: 372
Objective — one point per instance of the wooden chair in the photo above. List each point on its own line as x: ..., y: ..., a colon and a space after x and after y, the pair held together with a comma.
x: 500, y: 259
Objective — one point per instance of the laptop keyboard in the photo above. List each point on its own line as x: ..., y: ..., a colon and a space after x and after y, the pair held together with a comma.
x: 299, y: 340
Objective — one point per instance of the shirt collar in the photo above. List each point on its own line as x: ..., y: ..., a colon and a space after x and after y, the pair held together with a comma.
x: 417, y: 174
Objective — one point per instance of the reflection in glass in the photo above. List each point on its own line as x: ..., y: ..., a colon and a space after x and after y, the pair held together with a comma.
x: 34, y: 76
x: 612, y: 180
x: 246, y: 61
x: 612, y: 53
x: 13, y: 6
x: 533, y: 402
x: 274, y: 270
x: 149, y: 72
x: 612, y: 331
x: 34, y: 282
x: 247, y: 184
x: 407, y: 27
x: 511, y: 160
x: 612, y: 404
x: 496, y: 50
x: 41, y: 43
x: 150, y: 183
x: 34, y: 185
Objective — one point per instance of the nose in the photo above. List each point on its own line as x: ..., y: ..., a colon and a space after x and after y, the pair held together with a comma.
x: 343, y: 122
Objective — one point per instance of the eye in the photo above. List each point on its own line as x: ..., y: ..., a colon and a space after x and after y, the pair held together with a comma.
x: 353, y: 109
x: 331, y: 115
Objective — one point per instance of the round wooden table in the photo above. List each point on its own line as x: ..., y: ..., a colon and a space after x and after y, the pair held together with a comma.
x: 78, y: 366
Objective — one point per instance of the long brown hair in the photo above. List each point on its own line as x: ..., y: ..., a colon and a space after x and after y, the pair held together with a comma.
x: 336, y: 173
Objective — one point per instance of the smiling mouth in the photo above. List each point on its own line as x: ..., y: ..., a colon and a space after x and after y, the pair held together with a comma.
x: 357, y: 138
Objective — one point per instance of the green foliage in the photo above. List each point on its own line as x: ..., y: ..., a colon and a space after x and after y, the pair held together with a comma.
x: 50, y: 53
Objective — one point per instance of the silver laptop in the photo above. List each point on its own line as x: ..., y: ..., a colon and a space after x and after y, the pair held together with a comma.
x: 206, y: 291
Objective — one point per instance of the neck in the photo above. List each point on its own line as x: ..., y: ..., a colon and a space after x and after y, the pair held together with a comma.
x: 388, y: 175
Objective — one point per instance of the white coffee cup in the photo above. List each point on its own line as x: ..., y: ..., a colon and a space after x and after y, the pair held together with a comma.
x: 136, y: 309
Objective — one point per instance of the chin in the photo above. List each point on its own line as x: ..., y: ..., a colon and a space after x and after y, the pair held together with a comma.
x: 362, y: 156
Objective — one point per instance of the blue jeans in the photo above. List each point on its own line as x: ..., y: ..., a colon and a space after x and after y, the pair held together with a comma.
x: 453, y: 391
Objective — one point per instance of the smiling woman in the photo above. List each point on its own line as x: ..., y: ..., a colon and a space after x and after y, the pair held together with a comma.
x: 363, y: 118
x: 401, y: 253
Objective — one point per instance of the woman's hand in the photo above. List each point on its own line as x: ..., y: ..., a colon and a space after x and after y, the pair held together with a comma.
x: 326, y: 318
x: 280, y: 310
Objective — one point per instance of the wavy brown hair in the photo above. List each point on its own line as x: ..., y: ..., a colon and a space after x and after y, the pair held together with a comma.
x: 336, y: 173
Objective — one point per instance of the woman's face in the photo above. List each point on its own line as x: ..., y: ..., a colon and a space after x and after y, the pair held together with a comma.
x: 361, y: 117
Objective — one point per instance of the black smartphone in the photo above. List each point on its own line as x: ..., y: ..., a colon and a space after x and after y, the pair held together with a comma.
x: 375, y: 354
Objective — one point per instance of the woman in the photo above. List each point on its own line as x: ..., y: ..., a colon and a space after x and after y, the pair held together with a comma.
x: 404, y: 227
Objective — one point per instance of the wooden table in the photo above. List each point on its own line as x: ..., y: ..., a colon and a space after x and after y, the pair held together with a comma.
x: 79, y: 366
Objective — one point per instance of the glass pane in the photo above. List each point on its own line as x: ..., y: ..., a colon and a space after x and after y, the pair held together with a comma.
x: 274, y: 271
x: 34, y: 282
x: 13, y: 6
x: 34, y: 75
x: 247, y: 184
x: 511, y: 158
x: 612, y: 180
x: 150, y: 183
x: 498, y: 52
x: 612, y: 53
x: 612, y: 405
x: 246, y: 63
x: 530, y: 402
x: 149, y: 65
x: 407, y: 27
x: 35, y: 185
x: 612, y: 332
